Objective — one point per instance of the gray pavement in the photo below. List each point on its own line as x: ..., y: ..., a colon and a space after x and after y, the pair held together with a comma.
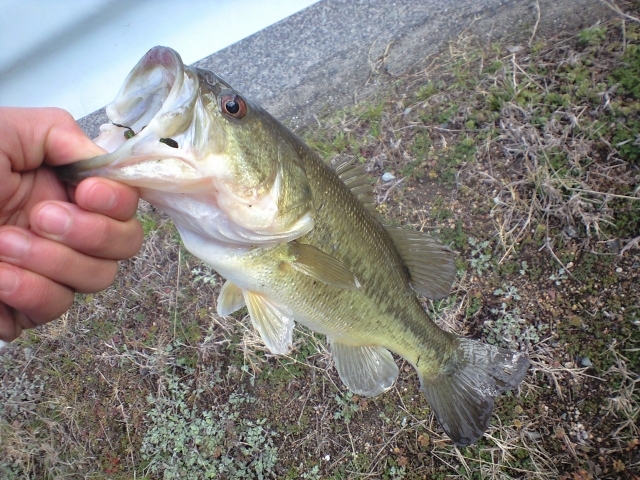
x: 337, y: 52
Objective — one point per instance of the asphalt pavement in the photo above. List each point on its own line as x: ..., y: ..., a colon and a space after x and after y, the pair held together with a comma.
x: 337, y: 52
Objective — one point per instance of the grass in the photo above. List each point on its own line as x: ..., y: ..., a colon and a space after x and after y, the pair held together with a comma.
x: 526, y: 163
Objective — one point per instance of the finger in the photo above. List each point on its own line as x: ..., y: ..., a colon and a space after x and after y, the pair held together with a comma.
x: 87, y: 232
x: 32, y: 134
x: 107, y: 197
x: 37, y: 298
x: 12, y: 323
x: 10, y: 327
x: 55, y: 261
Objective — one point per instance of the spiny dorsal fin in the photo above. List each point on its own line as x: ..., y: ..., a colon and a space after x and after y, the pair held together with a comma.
x: 354, y: 176
x: 430, y: 263
x: 321, y: 266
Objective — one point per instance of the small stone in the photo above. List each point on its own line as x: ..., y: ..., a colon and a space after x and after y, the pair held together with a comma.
x: 585, y: 362
x: 514, y: 48
x: 387, y: 177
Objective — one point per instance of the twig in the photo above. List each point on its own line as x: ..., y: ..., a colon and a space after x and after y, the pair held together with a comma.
x: 634, y: 243
x: 126, y: 424
x: 535, y: 27
x: 593, y: 192
x: 384, y: 199
x: 175, y: 311
x: 612, y: 5
x: 553, y: 254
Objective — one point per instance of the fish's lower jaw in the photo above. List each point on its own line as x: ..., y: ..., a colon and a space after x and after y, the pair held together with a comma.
x: 463, y: 395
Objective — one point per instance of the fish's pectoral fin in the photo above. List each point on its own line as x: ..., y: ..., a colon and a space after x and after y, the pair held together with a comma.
x: 462, y: 393
x: 324, y: 268
x: 431, y: 264
x: 230, y: 299
x: 274, y: 326
x: 365, y: 370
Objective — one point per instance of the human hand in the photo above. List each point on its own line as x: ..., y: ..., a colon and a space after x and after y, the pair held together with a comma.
x: 51, y: 248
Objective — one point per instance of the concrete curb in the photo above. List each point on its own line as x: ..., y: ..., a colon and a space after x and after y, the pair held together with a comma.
x: 337, y: 52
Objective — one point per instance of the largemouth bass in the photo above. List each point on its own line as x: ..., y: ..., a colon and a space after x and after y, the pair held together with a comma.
x: 295, y: 239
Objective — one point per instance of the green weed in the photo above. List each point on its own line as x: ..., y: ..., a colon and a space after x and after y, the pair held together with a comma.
x: 592, y: 36
x: 184, y: 440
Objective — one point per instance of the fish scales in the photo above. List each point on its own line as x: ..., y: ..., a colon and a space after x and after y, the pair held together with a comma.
x: 295, y: 239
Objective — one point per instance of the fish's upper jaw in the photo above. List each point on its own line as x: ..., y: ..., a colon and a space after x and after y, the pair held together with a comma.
x: 156, y: 100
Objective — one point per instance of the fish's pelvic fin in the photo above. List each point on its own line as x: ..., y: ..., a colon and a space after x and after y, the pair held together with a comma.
x: 274, y: 326
x: 431, y: 264
x: 366, y: 370
x: 356, y: 178
x: 463, y: 393
x: 230, y: 299
x: 321, y: 266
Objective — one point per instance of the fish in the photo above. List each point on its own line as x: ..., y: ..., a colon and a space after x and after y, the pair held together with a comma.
x: 297, y: 239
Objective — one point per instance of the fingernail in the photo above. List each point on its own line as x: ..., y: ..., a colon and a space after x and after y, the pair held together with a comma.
x: 54, y: 219
x: 101, y: 197
x: 8, y: 280
x: 14, y: 244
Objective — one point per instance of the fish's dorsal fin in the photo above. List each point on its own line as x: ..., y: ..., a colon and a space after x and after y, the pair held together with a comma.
x: 431, y: 264
x: 321, y: 266
x: 365, y: 370
x: 274, y: 326
x: 355, y: 177
x: 230, y: 299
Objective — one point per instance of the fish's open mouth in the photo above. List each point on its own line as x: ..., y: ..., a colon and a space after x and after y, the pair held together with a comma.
x: 149, y: 135
x: 155, y: 99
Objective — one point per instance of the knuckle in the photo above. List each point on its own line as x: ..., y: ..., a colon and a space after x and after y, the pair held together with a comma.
x: 137, y: 235
x: 101, y: 277
x: 102, y: 235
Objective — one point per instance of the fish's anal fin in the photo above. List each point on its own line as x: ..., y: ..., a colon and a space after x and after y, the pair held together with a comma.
x: 274, y: 326
x: 463, y: 393
x: 230, y: 299
x: 431, y: 264
x: 356, y: 178
x: 321, y: 266
x: 365, y: 370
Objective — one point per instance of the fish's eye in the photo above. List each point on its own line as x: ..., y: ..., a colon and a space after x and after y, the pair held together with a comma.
x: 233, y: 106
x: 170, y: 142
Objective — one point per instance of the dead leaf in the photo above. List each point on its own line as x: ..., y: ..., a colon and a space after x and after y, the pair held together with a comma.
x: 618, y: 466
x: 423, y: 440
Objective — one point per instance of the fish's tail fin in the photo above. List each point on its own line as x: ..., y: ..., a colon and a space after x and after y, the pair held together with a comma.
x: 463, y: 392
